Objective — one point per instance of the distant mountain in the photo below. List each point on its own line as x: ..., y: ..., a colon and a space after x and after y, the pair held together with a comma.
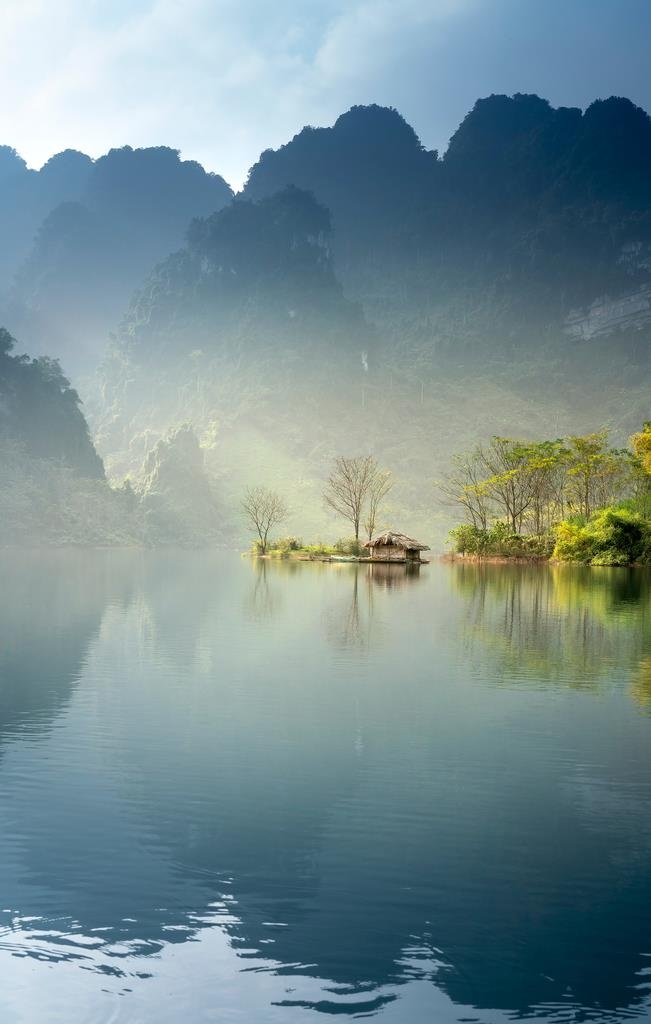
x: 254, y: 285
x: 374, y: 176
x: 535, y: 220
x: 103, y: 226
x: 27, y: 196
x: 246, y: 335
x: 176, y: 500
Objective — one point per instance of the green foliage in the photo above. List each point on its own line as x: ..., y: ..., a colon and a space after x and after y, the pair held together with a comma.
x: 287, y: 544
x: 40, y: 410
x: 499, y: 541
x: 348, y: 546
x: 282, y: 547
x: 318, y: 548
x: 612, y: 536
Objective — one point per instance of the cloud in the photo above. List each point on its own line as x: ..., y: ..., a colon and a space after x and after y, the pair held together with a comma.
x: 219, y: 78
x: 223, y: 79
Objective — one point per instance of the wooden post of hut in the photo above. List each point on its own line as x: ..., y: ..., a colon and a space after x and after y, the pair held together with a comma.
x: 395, y: 547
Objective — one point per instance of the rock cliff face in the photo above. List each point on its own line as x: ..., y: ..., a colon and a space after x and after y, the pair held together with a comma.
x: 605, y: 315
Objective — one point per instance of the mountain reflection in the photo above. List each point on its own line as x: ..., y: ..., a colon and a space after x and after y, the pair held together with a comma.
x: 362, y: 821
x: 51, y: 604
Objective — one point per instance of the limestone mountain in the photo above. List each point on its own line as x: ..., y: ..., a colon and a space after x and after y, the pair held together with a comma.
x: 226, y: 326
x: 532, y: 229
x: 102, y: 225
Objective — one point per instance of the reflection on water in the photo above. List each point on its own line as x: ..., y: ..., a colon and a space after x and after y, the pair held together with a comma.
x: 235, y: 790
x: 575, y: 625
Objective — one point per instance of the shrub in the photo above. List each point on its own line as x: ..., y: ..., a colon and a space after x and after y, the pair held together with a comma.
x: 612, y: 536
x: 499, y: 541
x: 319, y: 548
x: 347, y: 546
x: 573, y: 543
x: 286, y: 544
x: 467, y: 539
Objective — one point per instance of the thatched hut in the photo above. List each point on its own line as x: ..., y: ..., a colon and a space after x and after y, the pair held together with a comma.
x: 395, y: 547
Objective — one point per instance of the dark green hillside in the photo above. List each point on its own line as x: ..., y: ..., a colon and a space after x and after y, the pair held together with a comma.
x: 40, y: 411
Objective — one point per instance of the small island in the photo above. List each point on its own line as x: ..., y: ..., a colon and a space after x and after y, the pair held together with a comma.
x: 383, y: 549
x: 355, y: 491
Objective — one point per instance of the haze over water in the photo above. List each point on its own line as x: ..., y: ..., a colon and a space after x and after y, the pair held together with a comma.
x: 257, y: 791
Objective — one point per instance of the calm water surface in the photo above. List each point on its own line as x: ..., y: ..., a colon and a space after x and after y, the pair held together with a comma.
x: 235, y: 791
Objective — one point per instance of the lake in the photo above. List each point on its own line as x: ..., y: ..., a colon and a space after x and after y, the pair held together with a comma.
x: 236, y: 790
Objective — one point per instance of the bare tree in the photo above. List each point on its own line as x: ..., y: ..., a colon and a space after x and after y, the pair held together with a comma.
x: 264, y: 509
x: 348, y: 486
x: 380, y: 485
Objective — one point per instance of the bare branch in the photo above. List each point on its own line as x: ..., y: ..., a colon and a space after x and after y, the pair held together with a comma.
x: 348, y: 487
x: 264, y: 509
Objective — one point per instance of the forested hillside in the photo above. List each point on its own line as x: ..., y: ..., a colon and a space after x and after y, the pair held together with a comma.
x: 40, y: 411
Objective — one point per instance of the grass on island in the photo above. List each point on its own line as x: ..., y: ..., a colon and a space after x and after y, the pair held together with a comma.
x: 293, y: 547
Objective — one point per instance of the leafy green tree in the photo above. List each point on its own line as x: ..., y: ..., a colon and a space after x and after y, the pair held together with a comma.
x: 641, y: 447
x: 596, y: 474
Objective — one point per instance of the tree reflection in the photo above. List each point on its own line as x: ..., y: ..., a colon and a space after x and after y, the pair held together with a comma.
x: 562, y: 624
x: 262, y: 601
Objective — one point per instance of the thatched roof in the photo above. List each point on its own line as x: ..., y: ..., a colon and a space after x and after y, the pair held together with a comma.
x: 397, y: 540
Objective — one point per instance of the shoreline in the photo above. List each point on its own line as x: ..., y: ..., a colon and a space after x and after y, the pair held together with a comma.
x: 533, y: 560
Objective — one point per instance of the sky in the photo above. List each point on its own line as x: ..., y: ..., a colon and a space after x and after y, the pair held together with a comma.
x: 221, y: 80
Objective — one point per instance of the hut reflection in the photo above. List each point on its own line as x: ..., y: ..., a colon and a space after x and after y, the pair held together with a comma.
x: 389, y: 577
x: 352, y: 621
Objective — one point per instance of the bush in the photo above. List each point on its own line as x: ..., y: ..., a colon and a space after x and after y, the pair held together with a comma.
x: 286, y: 544
x: 573, y: 543
x: 348, y: 546
x: 468, y: 539
x: 318, y: 549
x: 612, y: 536
x: 499, y: 542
